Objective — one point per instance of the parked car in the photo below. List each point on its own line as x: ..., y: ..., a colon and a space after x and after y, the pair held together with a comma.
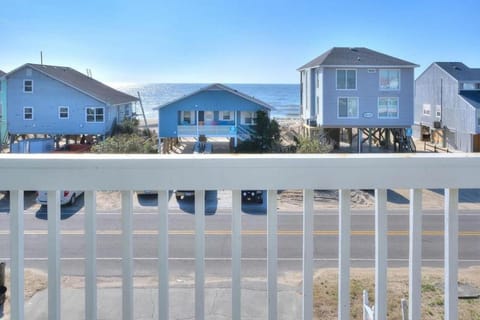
x: 66, y: 197
x: 252, y: 196
x: 182, y: 194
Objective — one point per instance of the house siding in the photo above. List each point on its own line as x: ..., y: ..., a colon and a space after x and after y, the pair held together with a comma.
x: 368, y: 92
x: 209, y: 100
x: 3, y: 109
x: 48, y: 94
x: 436, y: 87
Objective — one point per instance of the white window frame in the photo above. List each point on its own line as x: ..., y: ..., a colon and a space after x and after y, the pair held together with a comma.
x: 346, y: 81
x: 388, y: 105
x: 427, y: 110
x: 348, y: 117
x: 25, y: 113
x: 208, y: 116
x: 191, y: 115
x: 95, y: 115
x: 248, y: 115
x: 380, y: 79
x: 60, y: 113
x: 25, y: 86
x: 222, y: 114
x: 372, y: 70
x: 438, y: 111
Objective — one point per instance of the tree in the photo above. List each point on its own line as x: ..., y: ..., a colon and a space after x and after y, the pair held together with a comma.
x: 265, y: 138
x: 128, y: 140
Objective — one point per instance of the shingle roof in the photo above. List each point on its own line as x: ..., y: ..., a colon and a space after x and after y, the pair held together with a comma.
x: 343, y: 56
x: 472, y: 97
x: 219, y: 87
x: 460, y: 71
x: 82, y: 82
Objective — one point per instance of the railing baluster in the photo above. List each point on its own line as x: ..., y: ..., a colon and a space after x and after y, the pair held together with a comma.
x: 91, y: 256
x: 344, y: 254
x: 199, y: 254
x: 17, y: 253
x: 451, y: 254
x: 307, y: 254
x: 236, y: 254
x: 272, y: 253
x: 163, y: 283
x: 127, y: 255
x: 415, y: 255
x: 53, y: 215
x: 381, y: 227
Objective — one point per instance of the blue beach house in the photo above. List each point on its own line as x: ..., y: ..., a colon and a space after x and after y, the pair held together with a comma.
x: 213, y: 111
x: 357, y: 88
x: 3, y: 108
x: 56, y: 101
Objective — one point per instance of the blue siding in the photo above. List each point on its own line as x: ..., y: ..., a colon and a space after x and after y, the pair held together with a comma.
x: 48, y: 94
x: 368, y: 91
x: 209, y: 100
x: 3, y: 109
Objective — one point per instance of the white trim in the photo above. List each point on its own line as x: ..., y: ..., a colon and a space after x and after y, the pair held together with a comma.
x: 251, y: 114
x: 387, y: 117
x: 95, y: 115
x: 221, y: 115
x: 31, y: 113
x: 389, y: 89
x: 347, y: 117
x: 24, y: 85
x: 358, y: 66
x: 346, y: 80
x: 59, y: 113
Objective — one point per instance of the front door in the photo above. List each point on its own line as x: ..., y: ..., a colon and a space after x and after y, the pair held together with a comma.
x: 201, y: 117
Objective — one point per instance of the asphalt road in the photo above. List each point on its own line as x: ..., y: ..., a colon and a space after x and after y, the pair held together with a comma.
x: 218, y: 240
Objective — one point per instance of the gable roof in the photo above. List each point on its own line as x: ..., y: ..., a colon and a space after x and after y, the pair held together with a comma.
x: 472, y: 97
x: 2, y: 73
x: 219, y: 87
x: 343, y: 56
x: 81, y: 82
x: 460, y: 71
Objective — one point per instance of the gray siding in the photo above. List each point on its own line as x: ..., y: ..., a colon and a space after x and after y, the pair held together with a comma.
x: 436, y: 87
x: 319, y: 106
x: 368, y: 92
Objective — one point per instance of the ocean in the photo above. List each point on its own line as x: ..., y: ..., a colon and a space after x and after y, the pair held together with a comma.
x: 285, y: 98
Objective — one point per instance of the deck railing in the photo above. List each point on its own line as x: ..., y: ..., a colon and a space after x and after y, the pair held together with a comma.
x: 212, y: 172
x: 207, y: 130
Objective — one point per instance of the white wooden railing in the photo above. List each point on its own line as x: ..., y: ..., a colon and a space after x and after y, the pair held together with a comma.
x: 211, y: 172
x: 207, y: 130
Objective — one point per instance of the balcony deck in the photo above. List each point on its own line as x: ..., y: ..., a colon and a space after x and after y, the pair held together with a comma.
x: 127, y: 173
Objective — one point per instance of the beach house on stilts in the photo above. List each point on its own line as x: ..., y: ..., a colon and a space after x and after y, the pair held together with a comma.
x: 213, y: 111
x: 358, y: 95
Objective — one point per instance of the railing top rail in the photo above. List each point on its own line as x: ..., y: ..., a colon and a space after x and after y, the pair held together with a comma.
x: 217, y: 171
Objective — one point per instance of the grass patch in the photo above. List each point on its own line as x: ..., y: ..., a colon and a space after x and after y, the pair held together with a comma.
x: 326, y: 293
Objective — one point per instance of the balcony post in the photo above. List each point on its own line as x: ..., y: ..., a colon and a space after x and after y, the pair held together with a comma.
x: 307, y: 254
x: 236, y: 255
x: 17, y: 253
x: 127, y: 255
x: 199, y: 254
x: 344, y: 255
x: 415, y: 255
x: 381, y: 229
x: 91, y: 256
x: 163, y: 283
x: 54, y: 272
x: 451, y: 254
x: 272, y: 254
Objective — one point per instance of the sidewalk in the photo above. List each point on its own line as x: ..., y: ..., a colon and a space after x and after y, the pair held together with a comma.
x: 182, y: 296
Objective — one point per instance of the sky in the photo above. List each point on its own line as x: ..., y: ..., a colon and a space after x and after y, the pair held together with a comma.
x: 229, y: 41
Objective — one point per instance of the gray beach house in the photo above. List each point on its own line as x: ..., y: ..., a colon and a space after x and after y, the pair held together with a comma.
x: 358, y: 88
x: 447, y: 106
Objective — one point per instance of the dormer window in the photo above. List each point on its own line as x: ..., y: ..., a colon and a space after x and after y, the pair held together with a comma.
x: 28, y: 86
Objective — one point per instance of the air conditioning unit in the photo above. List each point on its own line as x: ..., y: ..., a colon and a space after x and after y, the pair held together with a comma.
x: 437, y: 124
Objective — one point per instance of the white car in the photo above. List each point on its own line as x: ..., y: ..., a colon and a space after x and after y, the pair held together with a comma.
x: 66, y: 197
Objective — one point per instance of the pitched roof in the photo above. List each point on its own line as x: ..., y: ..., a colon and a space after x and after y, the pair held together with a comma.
x: 219, y: 87
x: 472, y: 97
x: 460, y: 71
x: 2, y: 73
x: 343, y: 56
x: 82, y: 82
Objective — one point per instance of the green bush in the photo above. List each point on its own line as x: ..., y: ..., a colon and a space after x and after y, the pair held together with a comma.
x: 126, y: 143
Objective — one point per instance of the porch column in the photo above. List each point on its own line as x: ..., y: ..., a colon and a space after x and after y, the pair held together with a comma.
x: 236, y: 130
